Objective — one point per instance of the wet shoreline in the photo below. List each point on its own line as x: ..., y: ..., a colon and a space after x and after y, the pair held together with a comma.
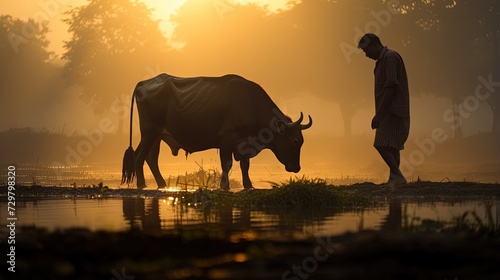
x: 421, y: 190
x: 428, y: 250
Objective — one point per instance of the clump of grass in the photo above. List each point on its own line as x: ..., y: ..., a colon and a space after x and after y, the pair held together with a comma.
x: 296, y: 192
x: 300, y: 192
x: 201, y: 178
x: 300, y: 181
x: 198, y: 179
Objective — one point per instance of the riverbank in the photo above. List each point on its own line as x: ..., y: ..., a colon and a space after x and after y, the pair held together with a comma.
x: 420, y: 190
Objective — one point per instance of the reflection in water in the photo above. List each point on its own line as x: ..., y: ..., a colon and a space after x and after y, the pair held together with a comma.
x: 142, y: 213
x: 392, y: 221
x: 498, y: 213
x: 154, y: 216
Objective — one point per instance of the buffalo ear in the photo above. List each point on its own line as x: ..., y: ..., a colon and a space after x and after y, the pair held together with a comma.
x: 280, y: 126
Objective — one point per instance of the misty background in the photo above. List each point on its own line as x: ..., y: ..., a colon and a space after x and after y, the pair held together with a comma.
x: 68, y: 69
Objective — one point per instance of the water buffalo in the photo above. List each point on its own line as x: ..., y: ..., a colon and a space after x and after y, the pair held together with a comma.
x: 229, y: 113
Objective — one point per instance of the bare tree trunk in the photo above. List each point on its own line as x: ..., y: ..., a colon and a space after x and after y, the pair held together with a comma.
x: 494, y: 101
x: 347, y: 111
x: 496, y: 77
x: 122, y: 126
x: 457, y: 119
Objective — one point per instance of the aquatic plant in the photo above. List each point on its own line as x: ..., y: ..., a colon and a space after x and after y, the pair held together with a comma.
x: 469, y: 222
x: 201, y: 178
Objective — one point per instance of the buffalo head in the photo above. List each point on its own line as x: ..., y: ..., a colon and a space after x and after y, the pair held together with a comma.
x: 287, y: 142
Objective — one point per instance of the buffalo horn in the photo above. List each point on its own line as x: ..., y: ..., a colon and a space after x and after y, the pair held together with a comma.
x: 296, y: 123
x: 308, y: 125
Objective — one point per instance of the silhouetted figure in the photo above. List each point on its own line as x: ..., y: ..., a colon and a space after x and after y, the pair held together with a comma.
x: 392, y: 104
x: 200, y: 113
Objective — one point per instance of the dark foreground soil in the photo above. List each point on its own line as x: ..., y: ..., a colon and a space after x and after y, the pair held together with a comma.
x: 82, y: 254
x: 460, y: 252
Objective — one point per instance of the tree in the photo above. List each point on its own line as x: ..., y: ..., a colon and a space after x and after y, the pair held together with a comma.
x: 460, y: 40
x: 297, y: 51
x: 114, y: 44
x: 28, y: 77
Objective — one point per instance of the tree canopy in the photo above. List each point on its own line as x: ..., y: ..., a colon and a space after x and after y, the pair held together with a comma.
x: 113, y: 44
x: 446, y: 45
x: 27, y: 75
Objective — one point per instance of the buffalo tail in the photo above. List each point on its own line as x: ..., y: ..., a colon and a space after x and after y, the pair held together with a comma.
x: 128, y: 167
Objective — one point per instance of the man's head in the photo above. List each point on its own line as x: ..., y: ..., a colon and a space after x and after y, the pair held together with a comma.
x: 371, y: 45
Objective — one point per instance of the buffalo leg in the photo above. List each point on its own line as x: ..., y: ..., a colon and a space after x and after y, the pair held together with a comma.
x: 142, y: 153
x: 226, y: 161
x: 245, y: 165
x: 152, y: 160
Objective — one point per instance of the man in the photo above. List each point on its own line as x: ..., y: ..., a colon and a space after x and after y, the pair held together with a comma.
x: 392, y: 104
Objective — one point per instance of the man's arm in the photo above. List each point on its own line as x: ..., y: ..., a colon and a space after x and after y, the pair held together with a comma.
x: 384, y: 106
x: 390, y: 88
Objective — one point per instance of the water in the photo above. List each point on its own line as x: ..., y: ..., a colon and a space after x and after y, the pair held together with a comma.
x: 110, y: 174
x: 262, y: 174
x: 155, y: 215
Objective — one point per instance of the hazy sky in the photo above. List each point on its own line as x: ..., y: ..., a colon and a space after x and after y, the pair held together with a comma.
x: 54, y: 10
x: 163, y: 10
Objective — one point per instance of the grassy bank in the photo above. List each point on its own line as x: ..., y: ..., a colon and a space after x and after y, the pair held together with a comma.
x: 294, y: 192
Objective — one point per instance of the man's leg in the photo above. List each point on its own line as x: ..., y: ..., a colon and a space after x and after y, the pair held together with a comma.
x: 397, y: 157
x: 400, y: 178
x: 392, y: 159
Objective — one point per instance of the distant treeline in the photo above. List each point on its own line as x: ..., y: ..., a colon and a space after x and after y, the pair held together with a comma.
x: 27, y: 145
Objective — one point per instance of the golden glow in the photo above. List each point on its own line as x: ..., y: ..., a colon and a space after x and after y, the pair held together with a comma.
x: 271, y: 5
x: 296, y: 55
x: 163, y: 10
